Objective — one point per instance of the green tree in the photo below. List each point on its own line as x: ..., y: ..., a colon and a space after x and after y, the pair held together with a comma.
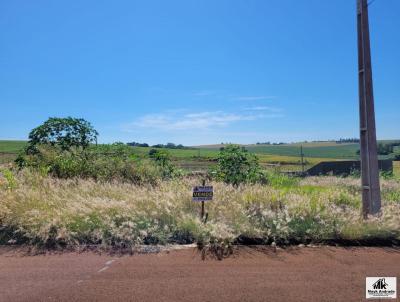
x: 236, y: 165
x: 152, y: 153
x: 163, y: 160
x: 162, y: 157
x: 63, y: 132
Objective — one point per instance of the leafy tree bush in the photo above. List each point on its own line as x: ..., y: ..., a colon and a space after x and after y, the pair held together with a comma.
x: 62, y: 148
x: 102, y: 163
x: 64, y: 132
x: 160, y: 156
x: 163, y: 159
x: 152, y: 153
x: 236, y: 165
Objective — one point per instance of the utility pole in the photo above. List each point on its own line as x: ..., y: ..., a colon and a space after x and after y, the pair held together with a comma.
x: 371, y: 195
x: 302, y: 159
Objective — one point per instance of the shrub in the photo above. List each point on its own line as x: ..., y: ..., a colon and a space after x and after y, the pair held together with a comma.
x: 163, y: 160
x: 104, y: 163
x: 236, y: 165
x: 280, y: 180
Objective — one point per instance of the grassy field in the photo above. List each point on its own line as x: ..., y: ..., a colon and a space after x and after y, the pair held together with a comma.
x: 319, y: 150
x: 51, y: 212
x: 11, y: 146
x: 197, y: 159
x: 339, y: 151
x: 55, y: 212
x: 396, y: 168
x: 9, y: 150
x: 313, y: 149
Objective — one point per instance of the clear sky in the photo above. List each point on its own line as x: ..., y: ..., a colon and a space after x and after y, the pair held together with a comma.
x: 196, y: 72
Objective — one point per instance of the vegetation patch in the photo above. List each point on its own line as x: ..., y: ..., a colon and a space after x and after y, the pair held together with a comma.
x: 65, y: 191
x: 50, y: 212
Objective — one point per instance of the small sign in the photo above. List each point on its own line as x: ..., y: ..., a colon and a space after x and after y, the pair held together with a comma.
x: 203, y: 193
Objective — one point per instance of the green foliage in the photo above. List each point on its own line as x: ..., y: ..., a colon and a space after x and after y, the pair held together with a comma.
x: 385, y: 149
x: 64, y: 132
x: 103, y: 162
x: 345, y: 199
x: 386, y: 174
x: 152, y: 153
x: 163, y: 159
x: 280, y: 180
x: 236, y: 165
x: 11, y: 182
x: 391, y: 196
x: 355, y: 173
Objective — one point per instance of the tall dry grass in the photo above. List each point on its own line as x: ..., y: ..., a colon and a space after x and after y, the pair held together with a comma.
x: 51, y: 212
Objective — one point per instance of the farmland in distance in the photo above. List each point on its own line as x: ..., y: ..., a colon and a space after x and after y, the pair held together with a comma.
x: 285, y: 157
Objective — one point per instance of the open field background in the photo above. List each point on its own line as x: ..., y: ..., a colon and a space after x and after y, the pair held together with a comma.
x: 317, y: 150
x: 38, y: 209
x: 280, y: 157
x: 9, y: 150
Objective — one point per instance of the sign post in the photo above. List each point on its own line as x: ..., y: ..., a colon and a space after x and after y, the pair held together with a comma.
x: 203, y: 193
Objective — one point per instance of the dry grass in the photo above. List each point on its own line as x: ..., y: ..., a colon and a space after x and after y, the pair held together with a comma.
x: 396, y: 168
x: 51, y: 212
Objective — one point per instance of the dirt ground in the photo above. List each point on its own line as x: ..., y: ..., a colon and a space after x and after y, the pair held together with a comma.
x: 251, y: 274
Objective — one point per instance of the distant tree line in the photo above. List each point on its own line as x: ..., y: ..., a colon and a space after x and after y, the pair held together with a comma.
x: 269, y: 143
x: 348, y: 140
x: 340, y: 141
x: 166, y: 146
x: 170, y: 146
x: 135, y: 144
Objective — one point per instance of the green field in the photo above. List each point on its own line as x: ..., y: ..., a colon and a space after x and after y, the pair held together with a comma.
x: 285, y: 157
x: 290, y: 151
x: 9, y: 150
x: 11, y: 146
x: 338, y: 151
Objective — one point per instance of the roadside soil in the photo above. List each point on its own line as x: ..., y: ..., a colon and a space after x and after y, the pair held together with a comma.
x: 250, y: 274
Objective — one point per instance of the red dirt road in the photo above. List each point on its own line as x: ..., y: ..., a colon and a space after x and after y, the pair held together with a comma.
x: 298, y: 274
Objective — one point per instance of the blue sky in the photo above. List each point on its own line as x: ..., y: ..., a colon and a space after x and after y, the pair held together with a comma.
x: 196, y: 72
